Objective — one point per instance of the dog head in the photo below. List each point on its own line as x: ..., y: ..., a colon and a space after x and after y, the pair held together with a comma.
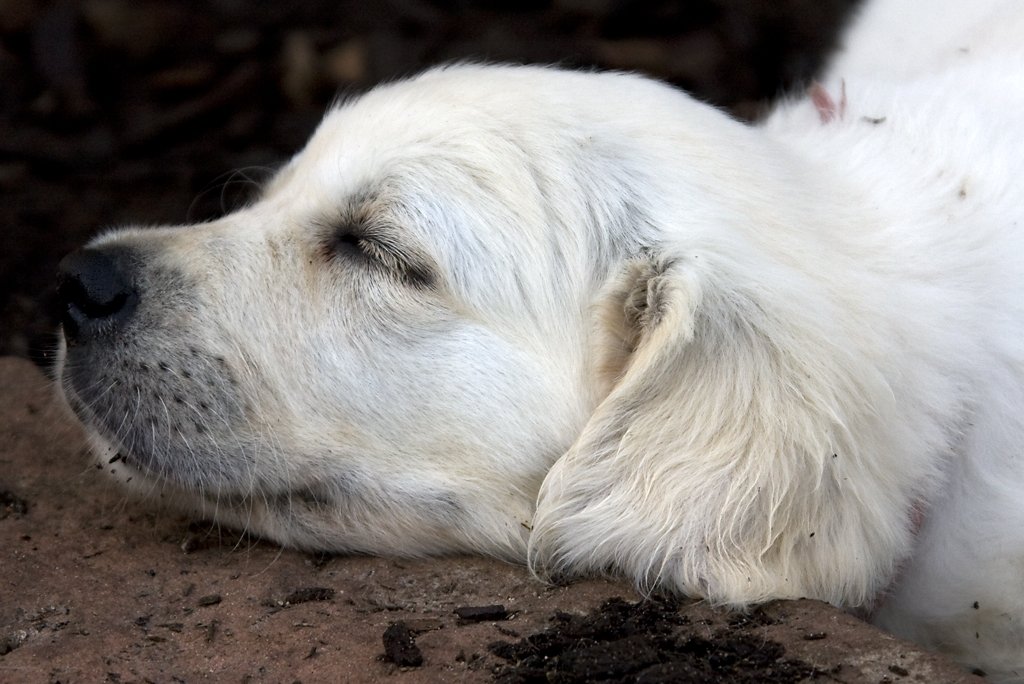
x: 387, y: 350
x: 462, y: 279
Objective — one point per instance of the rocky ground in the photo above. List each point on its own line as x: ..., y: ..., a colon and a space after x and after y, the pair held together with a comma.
x: 97, y: 588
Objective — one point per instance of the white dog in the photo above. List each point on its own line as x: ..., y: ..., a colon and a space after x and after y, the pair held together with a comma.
x: 584, y: 321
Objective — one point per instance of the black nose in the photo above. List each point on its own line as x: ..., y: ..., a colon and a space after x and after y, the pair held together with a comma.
x: 95, y: 293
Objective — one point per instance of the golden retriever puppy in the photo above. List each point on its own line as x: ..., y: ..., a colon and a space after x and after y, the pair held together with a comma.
x: 586, y: 322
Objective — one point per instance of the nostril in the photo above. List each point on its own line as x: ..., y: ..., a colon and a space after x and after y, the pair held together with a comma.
x: 91, y: 303
x: 93, y: 290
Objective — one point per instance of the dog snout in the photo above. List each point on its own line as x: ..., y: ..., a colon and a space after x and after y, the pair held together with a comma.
x: 95, y: 293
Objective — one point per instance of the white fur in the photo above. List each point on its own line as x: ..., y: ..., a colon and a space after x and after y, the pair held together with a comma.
x: 737, y: 362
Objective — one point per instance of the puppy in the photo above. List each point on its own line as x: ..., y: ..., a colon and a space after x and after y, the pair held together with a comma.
x: 583, y: 321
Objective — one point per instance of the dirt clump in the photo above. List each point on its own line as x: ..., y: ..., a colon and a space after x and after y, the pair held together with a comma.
x: 647, y: 641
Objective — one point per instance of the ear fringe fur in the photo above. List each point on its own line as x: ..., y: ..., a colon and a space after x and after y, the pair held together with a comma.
x: 721, y: 463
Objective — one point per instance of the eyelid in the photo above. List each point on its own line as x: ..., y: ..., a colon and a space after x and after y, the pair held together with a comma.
x: 381, y: 249
x: 408, y: 266
x: 375, y: 246
x: 345, y: 238
x: 367, y: 241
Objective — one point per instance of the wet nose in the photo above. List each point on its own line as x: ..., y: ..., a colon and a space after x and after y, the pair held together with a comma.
x: 95, y: 294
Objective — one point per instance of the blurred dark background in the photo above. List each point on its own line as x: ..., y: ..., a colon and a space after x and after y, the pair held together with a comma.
x: 146, y: 111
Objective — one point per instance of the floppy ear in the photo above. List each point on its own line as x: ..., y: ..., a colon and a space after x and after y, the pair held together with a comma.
x: 713, y: 464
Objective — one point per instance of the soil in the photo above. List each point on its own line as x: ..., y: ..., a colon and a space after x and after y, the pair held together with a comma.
x: 141, y: 111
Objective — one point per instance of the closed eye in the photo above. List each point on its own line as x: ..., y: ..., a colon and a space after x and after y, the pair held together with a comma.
x: 373, y: 249
x: 346, y: 242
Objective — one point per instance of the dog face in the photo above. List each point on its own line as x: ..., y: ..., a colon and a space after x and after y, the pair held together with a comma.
x: 385, y: 352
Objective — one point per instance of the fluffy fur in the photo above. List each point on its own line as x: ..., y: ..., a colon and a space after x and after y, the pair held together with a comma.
x: 584, y: 321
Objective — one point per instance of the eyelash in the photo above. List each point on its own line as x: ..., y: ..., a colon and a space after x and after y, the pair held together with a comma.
x: 359, y: 246
x: 380, y: 253
x: 350, y: 243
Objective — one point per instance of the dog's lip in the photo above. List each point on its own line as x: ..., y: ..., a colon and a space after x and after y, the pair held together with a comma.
x: 230, y: 499
x: 110, y: 452
x: 124, y: 459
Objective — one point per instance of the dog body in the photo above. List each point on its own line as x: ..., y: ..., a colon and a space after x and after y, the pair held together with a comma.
x: 584, y: 321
